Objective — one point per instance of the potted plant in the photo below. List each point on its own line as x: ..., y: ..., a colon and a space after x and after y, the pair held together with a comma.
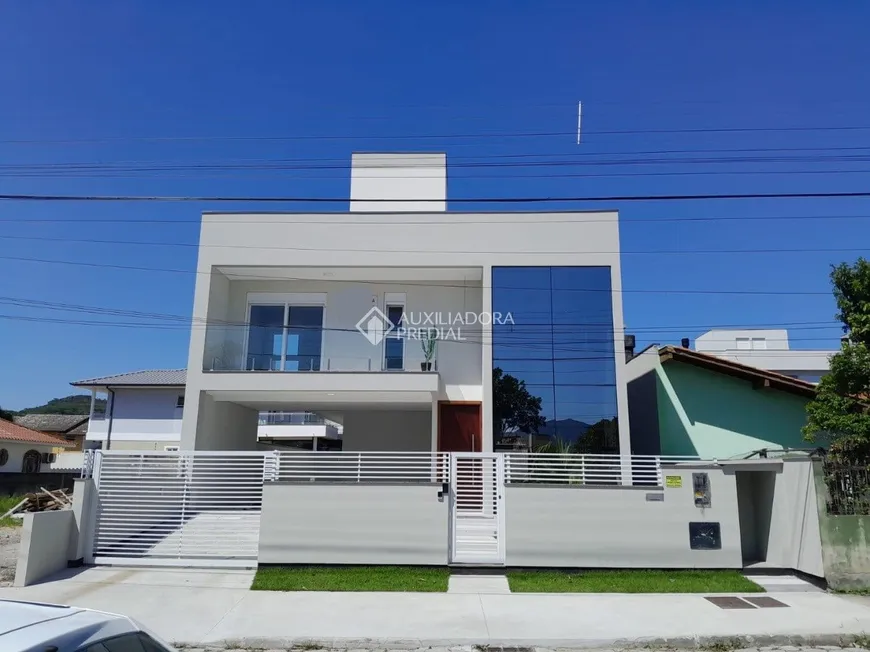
x: 427, y: 343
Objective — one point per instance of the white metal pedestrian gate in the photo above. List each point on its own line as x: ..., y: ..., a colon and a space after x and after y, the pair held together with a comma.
x: 477, y: 508
x: 179, y: 509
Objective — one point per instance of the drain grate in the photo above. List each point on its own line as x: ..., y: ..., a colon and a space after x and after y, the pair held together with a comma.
x: 765, y: 602
x: 732, y: 602
x: 729, y: 602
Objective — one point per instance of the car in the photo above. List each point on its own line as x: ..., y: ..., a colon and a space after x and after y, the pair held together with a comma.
x: 38, y: 627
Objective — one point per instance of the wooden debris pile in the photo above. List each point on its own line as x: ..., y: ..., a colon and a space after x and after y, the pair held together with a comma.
x: 42, y: 501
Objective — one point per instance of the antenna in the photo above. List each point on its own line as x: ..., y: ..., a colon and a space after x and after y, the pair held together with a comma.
x: 579, y: 119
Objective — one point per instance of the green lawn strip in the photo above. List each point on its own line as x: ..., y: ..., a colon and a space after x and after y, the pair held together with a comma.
x: 351, y: 578
x: 7, y: 503
x: 631, y: 581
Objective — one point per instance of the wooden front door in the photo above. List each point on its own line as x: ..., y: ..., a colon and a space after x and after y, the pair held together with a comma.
x: 459, y: 428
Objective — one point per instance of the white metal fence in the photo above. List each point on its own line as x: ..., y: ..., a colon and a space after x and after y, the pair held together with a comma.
x: 587, y: 469
x: 172, y: 508
x: 363, y: 467
x: 204, y: 508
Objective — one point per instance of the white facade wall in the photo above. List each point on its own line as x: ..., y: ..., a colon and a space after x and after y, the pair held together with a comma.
x: 264, y: 243
x: 765, y: 349
x: 16, y: 455
x: 142, y: 418
x: 404, y: 179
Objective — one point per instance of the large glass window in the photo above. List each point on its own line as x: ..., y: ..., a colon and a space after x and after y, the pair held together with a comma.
x: 394, y: 345
x: 560, y: 346
x: 304, y: 338
x: 284, y: 338
x: 265, y: 338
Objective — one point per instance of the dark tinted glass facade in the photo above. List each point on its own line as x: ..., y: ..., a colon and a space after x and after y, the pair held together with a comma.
x: 561, y: 345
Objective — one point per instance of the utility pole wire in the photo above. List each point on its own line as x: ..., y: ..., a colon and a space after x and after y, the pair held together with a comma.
x: 466, y: 200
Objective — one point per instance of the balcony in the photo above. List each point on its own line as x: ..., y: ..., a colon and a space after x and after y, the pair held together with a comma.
x: 307, y: 349
x: 291, y: 419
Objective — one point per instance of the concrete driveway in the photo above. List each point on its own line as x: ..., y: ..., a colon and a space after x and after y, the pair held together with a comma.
x: 199, y: 607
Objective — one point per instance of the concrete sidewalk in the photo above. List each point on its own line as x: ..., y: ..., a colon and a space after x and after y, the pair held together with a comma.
x: 202, y: 608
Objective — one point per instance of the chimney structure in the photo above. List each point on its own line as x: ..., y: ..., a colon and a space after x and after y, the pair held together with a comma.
x: 398, y: 183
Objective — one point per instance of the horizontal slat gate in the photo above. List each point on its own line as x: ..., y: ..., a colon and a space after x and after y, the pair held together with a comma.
x: 477, y: 508
x: 187, y: 509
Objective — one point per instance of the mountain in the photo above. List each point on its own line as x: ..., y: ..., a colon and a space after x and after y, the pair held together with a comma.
x: 568, y: 430
x: 75, y: 404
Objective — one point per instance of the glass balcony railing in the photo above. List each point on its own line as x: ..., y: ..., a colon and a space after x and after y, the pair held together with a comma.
x: 248, y: 348
x: 291, y: 419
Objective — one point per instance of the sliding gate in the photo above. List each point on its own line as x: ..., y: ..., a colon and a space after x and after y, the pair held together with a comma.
x: 477, y: 508
x: 179, y: 509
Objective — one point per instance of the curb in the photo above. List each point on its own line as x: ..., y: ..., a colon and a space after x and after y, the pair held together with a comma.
x: 722, y: 643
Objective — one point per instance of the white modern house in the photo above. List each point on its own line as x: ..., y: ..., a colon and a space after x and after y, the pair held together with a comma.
x: 766, y: 349
x: 143, y: 412
x: 420, y: 331
x: 331, y: 312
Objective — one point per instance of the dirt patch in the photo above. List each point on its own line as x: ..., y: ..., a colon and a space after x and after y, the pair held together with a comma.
x: 10, y: 537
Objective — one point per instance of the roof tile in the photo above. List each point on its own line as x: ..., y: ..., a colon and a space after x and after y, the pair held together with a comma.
x: 63, y: 423
x: 145, y: 377
x: 12, y: 432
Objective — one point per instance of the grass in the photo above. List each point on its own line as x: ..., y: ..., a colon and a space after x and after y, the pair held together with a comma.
x: 7, y: 503
x: 631, y: 581
x: 351, y: 578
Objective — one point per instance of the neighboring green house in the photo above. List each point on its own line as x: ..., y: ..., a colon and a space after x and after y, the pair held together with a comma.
x: 683, y: 402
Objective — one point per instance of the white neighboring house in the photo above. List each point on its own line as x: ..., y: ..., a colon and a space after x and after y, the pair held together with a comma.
x: 285, y: 295
x: 766, y: 349
x: 143, y: 412
x: 23, y: 450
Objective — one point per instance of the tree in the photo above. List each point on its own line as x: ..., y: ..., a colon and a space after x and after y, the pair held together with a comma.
x: 602, y: 437
x: 6, y: 415
x: 839, y: 412
x: 514, y: 409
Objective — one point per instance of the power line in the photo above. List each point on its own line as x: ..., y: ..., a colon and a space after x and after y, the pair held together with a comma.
x: 363, y: 219
x: 669, y: 252
x: 481, y: 177
x: 461, y: 286
x: 456, y: 136
x: 425, y: 158
x: 479, y: 162
x: 459, y: 200
x: 515, y: 329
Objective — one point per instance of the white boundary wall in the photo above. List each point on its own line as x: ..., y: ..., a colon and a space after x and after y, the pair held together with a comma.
x: 219, y: 509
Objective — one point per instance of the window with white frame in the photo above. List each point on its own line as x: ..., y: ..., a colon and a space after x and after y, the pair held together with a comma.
x: 285, y: 332
x: 394, y: 343
x: 99, y: 406
x: 179, y: 402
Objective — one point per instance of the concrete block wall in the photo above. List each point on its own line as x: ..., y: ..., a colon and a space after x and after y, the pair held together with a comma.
x: 845, y: 541
x: 324, y: 523
x: 45, y: 541
x: 620, y: 527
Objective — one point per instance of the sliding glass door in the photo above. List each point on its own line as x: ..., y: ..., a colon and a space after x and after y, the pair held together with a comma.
x: 304, y: 338
x: 284, y: 338
x: 265, y: 338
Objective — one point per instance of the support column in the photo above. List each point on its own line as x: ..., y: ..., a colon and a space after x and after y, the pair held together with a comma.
x: 84, y: 528
x: 486, y: 360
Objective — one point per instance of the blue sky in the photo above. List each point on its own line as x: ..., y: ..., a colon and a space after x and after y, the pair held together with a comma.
x: 139, y: 79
